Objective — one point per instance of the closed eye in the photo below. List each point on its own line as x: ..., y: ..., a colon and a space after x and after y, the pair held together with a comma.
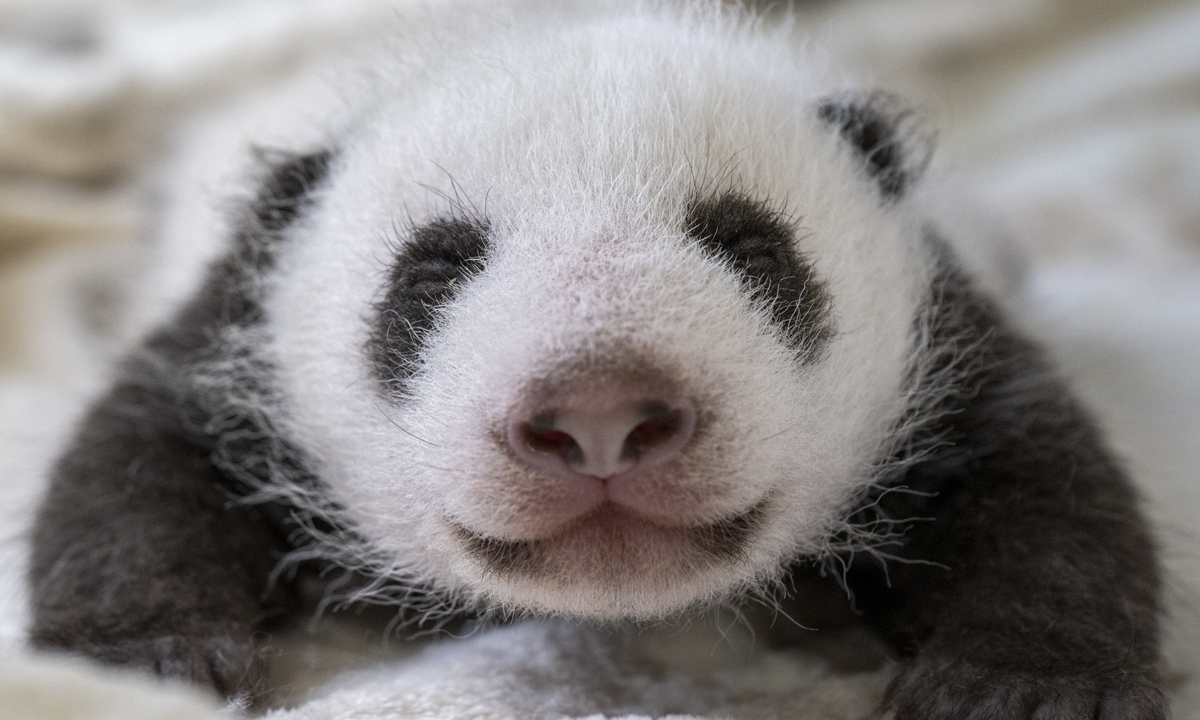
x: 438, y: 259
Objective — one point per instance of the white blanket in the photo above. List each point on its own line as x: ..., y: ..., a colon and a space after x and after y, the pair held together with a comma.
x: 1069, y: 173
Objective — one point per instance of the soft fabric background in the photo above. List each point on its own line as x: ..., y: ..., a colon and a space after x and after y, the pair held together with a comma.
x: 1068, y: 170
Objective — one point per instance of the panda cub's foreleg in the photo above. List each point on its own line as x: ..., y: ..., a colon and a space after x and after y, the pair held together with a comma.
x: 1026, y: 585
x: 145, y: 549
x: 141, y: 556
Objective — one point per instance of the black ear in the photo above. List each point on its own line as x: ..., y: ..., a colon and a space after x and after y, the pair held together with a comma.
x: 893, y: 139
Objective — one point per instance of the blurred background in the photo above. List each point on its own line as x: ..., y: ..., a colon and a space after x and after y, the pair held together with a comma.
x: 1068, y: 171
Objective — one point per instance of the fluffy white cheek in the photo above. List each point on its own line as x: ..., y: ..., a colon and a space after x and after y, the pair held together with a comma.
x: 320, y: 305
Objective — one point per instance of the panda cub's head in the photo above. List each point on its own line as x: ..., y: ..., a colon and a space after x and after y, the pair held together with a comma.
x: 607, y: 317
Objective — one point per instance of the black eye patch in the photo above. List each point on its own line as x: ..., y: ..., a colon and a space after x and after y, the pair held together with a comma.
x: 759, y: 244
x: 439, y: 258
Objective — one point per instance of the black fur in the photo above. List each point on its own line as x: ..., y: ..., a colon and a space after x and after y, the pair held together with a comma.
x: 432, y: 266
x: 1025, y: 583
x: 142, y: 553
x: 878, y: 126
x: 761, y: 245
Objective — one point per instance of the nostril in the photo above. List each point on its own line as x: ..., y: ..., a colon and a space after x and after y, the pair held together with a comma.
x: 541, y: 440
x: 550, y: 441
x: 663, y: 425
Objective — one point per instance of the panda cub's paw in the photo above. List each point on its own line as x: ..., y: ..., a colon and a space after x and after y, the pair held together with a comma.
x: 943, y: 689
x: 235, y: 668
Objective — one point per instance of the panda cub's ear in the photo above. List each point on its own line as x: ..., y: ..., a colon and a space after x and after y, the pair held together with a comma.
x: 894, y: 140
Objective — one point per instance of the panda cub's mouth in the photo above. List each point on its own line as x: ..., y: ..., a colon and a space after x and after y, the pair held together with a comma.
x: 612, y: 536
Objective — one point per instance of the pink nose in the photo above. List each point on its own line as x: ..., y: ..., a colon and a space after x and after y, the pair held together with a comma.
x: 603, y: 436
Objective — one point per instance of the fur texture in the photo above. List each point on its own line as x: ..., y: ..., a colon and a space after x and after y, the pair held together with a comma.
x: 524, y: 218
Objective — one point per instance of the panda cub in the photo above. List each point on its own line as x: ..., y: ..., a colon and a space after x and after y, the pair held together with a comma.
x: 615, y: 315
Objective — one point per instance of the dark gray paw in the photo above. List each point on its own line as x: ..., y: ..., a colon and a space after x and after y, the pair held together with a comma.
x: 233, y: 668
x: 949, y: 690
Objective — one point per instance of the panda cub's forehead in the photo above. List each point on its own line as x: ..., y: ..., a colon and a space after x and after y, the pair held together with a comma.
x: 617, y: 120
x: 645, y: 207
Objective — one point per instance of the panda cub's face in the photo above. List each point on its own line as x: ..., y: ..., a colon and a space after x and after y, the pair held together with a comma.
x: 609, y: 322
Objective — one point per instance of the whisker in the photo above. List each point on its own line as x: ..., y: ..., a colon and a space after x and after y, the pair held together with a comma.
x: 404, y: 430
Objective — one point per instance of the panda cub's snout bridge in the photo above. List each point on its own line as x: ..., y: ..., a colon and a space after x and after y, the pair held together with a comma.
x: 602, y: 431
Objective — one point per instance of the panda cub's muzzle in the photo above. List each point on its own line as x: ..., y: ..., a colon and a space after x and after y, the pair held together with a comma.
x: 616, y: 441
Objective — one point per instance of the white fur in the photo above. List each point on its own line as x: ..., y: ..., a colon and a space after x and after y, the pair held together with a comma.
x: 581, y: 141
